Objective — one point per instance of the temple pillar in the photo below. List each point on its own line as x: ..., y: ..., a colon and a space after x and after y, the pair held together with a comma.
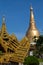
x: 20, y: 63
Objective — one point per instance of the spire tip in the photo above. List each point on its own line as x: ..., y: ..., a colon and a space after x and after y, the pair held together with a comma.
x: 3, y: 19
x: 31, y: 7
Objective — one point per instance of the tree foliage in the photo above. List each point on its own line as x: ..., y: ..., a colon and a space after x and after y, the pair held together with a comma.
x: 31, y: 60
x: 39, y: 46
x: 40, y: 41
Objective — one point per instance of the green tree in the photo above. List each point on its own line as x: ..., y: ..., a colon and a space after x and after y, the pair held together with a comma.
x: 39, y: 46
x: 40, y: 40
x: 31, y: 60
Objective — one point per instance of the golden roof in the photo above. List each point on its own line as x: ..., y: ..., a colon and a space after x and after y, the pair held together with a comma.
x: 10, y: 48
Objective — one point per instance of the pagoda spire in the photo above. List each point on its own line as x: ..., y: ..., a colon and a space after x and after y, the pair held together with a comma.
x: 32, y: 21
x: 31, y: 14
x: 32, y: 30
x: 3, y: 29
x: 3, y: 24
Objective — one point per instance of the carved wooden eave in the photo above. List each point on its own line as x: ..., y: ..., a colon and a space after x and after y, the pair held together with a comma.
x: 15, y: 50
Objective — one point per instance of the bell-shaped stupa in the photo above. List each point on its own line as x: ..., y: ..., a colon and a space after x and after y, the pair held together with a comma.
x: 32, y: 30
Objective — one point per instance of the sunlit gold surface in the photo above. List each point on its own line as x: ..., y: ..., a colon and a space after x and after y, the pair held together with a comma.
x: 32, y: 30
x: 15, y: 50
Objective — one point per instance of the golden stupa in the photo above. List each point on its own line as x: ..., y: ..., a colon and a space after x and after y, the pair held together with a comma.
x: 32, y: 30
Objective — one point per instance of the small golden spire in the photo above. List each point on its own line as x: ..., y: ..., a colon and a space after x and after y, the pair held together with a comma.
x: 3, y: 23
x: 31, y: 14
x: 3, y: 29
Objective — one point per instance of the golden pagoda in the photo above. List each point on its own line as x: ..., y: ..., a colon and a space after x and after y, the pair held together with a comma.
x: 12, y: 50
x: 32, y: 30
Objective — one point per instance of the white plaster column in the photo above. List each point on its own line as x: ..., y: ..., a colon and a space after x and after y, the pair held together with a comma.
x: 20, y: 63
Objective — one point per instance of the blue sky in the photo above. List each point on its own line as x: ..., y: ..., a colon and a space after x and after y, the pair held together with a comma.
x: 17, y: 13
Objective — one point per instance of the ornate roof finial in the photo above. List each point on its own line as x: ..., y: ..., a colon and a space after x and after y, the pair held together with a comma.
x: 31, y: 7
x: 31, y: 14
x: 3, y: 19
x: 3, y: 29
